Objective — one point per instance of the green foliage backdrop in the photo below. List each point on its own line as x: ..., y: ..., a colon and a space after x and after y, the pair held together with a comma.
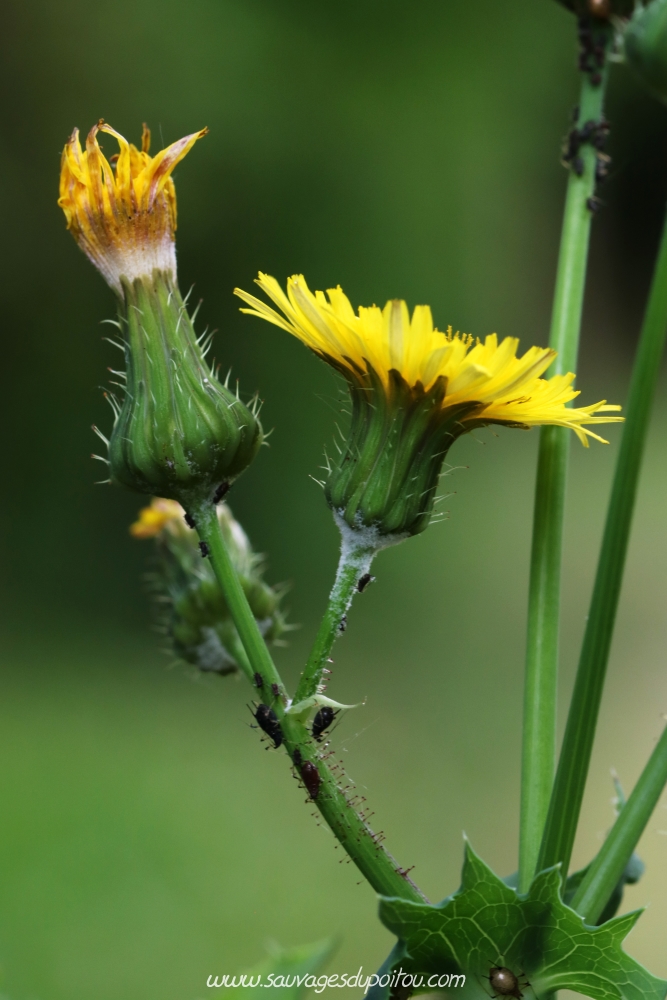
x: 146, y: 839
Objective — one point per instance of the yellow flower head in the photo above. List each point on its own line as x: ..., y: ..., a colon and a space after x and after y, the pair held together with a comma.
x: 123, y: 217
x: 485, y: 382
x: 155, y: 518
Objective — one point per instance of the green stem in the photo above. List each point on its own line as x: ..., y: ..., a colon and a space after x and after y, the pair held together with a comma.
x: 238, y: 652
x: 210, y: 532
x: 575, y: 755
x: 336, y: 804
x: 356, y: 556
x: 539, y: 730
x: 607, y: 868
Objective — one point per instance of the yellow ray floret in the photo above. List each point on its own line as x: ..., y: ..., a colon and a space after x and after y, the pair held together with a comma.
x: 507, y: 388
x: 122, y: 217
x: 154, y: 519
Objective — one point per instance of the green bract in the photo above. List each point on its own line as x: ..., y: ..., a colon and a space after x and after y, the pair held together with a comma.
x: 180, y: 433
x: 387, y: 477
x: 540, y: 939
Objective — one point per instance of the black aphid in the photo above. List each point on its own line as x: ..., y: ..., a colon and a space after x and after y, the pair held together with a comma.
x: 204, y: 549
x: 363, y: 582
x: 267, y: 720
x: 222, y: 490
x: 189, y: 520
x: 275, y: 688
x: 259, y: 681
x: 311, y: 779
x: 296, y: 757
x: 322, y: 721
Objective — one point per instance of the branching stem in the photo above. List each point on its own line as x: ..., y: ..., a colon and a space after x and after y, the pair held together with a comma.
x: 333, y: 801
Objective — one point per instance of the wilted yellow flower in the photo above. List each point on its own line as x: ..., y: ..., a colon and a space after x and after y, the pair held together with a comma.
x: 123, y: 217
x: 487, y: 379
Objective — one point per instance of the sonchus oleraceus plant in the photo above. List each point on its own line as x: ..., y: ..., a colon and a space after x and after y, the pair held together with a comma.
x: 182, y: 437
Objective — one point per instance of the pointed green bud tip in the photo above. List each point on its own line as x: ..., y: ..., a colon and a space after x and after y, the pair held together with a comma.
x: 179, y: 433
x: 194, y: 613
x: 645, y: 44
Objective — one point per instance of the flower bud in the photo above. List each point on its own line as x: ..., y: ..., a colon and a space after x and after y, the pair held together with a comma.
x: 198, y: 622
x: 179, y: 433
x: 414, y: 391
x: 645, y: 43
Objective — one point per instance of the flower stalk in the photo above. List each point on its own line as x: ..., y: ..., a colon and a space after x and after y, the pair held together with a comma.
x: 540, y: 694
x: 349, y: 827
x: 577, y: 746
x: 352, y: 575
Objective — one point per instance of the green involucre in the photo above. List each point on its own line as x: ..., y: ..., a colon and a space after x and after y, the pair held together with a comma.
x: 180, y: 434
x: 194, y: 612
x: 387, y: 476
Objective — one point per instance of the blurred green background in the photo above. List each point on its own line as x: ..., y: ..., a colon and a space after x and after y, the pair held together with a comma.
x: 146, y: 838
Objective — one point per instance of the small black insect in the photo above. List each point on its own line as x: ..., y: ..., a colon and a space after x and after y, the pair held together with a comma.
x: 267, y: 720
x: 588, y: 130
x: 259, y: 681
x: 363, y: 582
x: 189, y: 520
x: 342, y: 624
x: 504, y: 982
x: 311, y: 779
x: 593, y: 204
x: 275, y: 688
x: 322, y: 721
x: 578, y: 166
x: 221, y: 491
x: 296, y: 757
x: 204, y: 549
x: 601, y: 169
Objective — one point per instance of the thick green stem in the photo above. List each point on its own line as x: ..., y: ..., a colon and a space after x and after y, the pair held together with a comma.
x: 539, y: 732
x: 607, y: 868
x: 575, y: 754
x: 356, y: 556
x: 335, y: 803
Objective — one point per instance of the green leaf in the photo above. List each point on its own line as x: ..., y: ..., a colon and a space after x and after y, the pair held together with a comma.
x: 536, y: 936
x: 293, y: 972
